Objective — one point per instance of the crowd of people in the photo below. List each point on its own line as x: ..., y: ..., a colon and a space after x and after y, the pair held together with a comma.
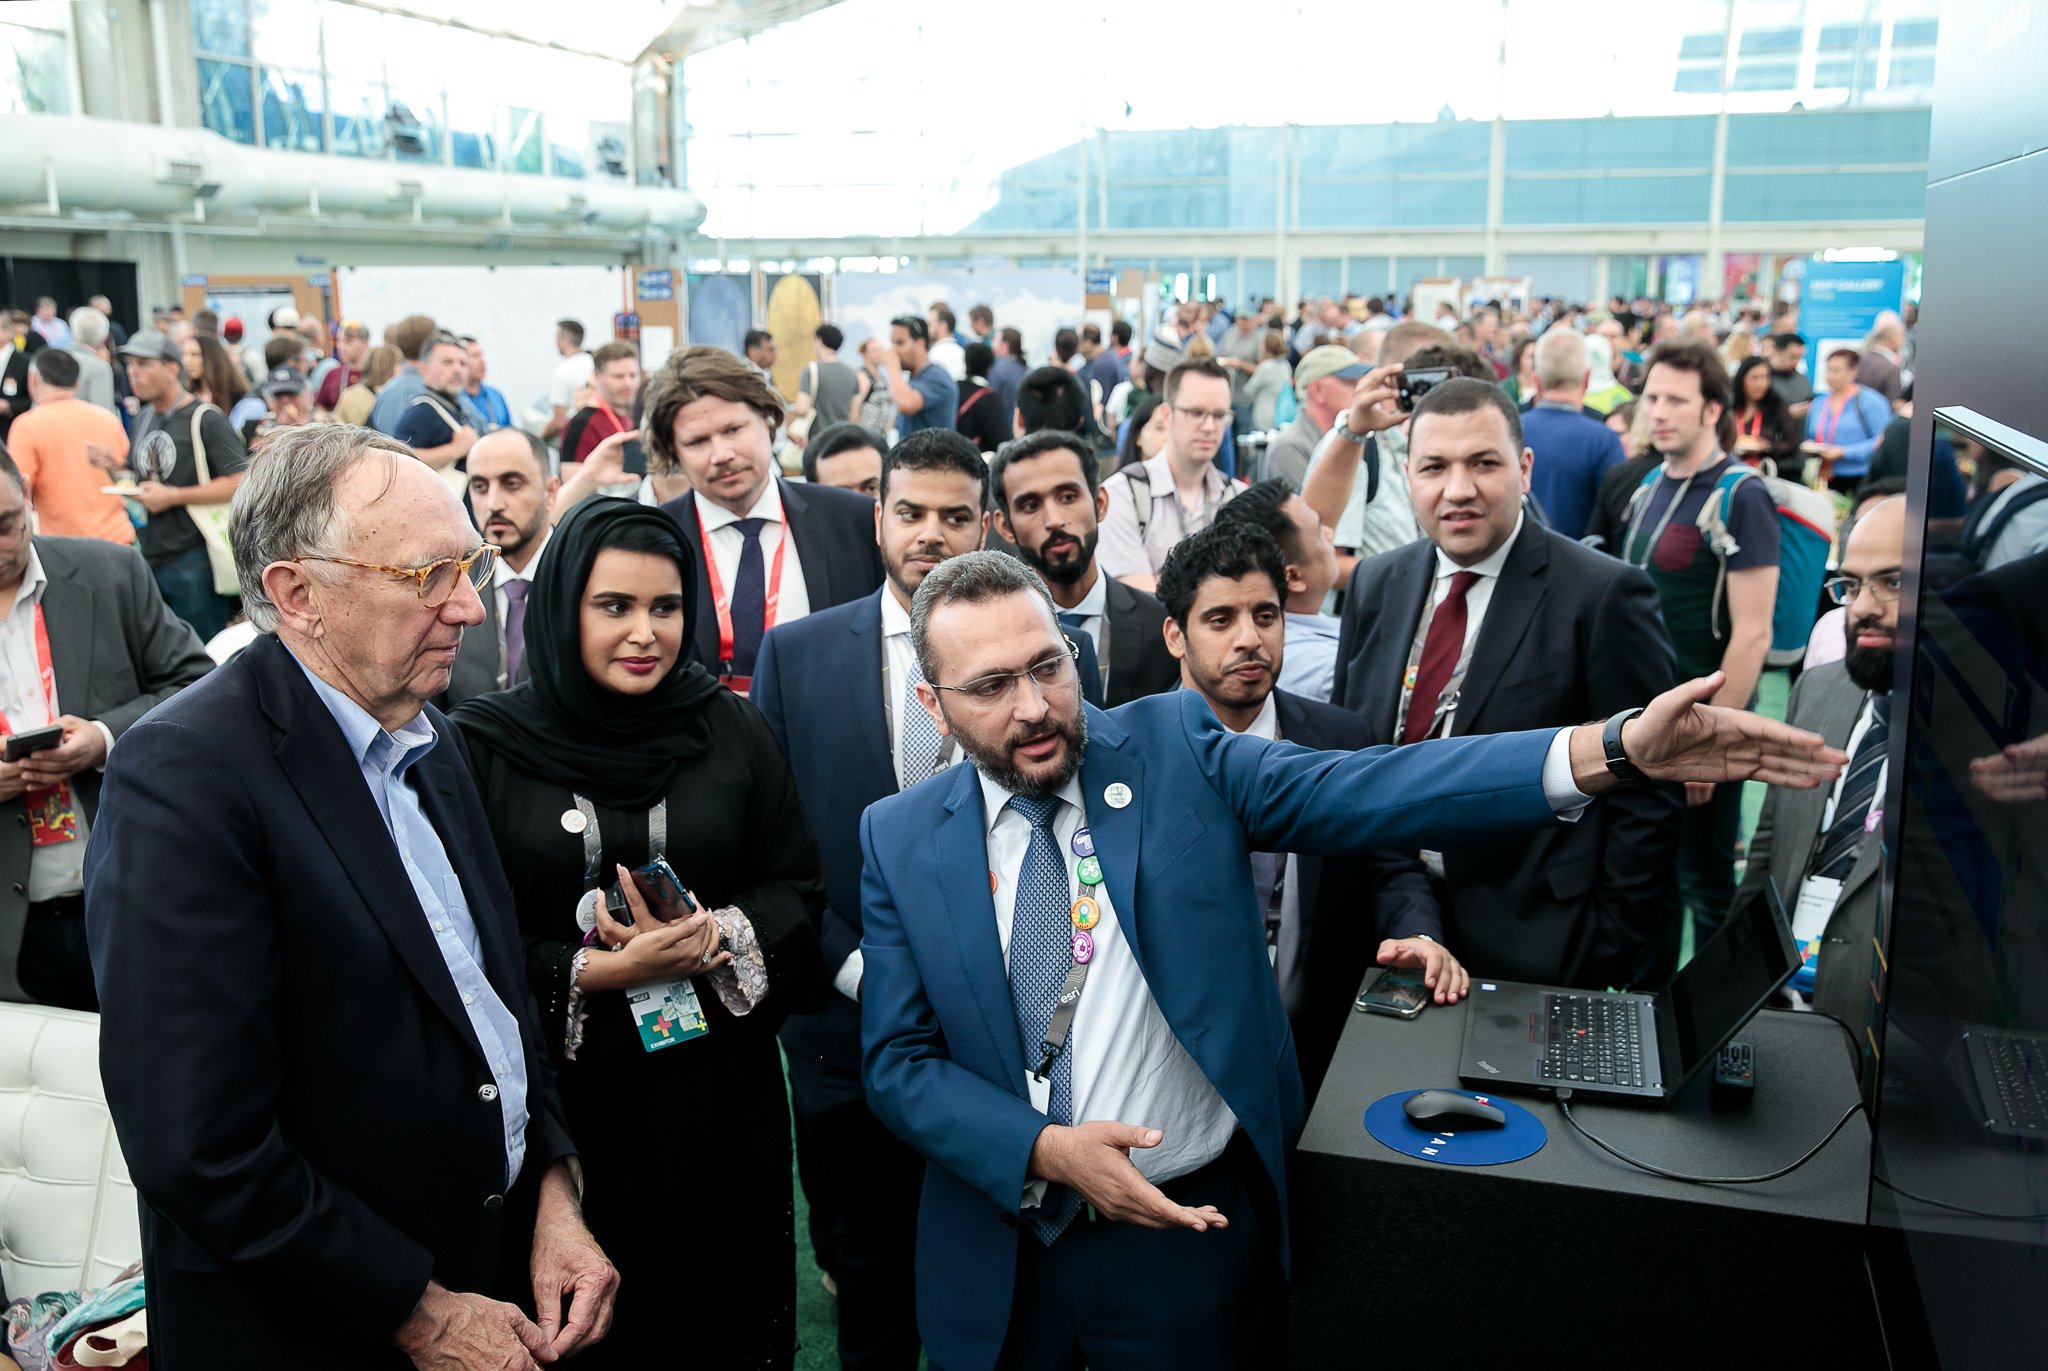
x: 1024, y: 759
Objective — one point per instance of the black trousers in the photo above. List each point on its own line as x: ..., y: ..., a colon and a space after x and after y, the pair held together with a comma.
x: 54, y: 967
x: 1147, y: 1299
x: 862, y: 1183
x: 1709, y: 837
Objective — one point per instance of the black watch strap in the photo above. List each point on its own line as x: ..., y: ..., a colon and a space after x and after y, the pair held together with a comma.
x: 1618, y: 763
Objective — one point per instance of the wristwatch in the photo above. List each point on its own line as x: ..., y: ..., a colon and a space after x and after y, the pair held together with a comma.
x: 1344, y: 433
x: 1618, y: 764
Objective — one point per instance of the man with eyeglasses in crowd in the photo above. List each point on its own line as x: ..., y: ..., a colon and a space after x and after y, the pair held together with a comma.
x: 1067, y: 1007
x: 330, y: 1078
x: 1156, y: 503
x: 1821, y: 846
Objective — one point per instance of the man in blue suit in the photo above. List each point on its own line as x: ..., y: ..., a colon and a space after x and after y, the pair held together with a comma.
x: 839, y: 691
x: 1066, y: 1004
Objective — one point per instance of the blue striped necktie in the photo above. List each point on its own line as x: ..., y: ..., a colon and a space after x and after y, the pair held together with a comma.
x: 1837, y: 851
x: 1041, y: 954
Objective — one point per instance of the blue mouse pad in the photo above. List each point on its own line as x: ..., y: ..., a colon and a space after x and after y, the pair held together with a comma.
x: 1523, y: 1135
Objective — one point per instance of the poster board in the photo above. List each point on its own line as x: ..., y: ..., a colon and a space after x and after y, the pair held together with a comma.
x: 511, y: 311
x: 1036, y: 301
x: 1432, y: 290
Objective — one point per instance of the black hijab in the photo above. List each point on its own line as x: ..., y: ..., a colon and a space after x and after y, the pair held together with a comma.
x: 620, y: 751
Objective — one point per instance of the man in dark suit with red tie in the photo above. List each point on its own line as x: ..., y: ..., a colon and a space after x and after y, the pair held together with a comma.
x: 1493, y: 624
x: 772, y: 551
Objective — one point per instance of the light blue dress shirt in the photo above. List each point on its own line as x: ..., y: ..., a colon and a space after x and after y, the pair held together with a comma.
x: 1308, y: 667
x: 385, y: 758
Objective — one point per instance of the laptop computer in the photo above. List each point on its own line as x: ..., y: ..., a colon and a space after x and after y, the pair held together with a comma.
x: 2011, y: 1071
x: 1630, y: 1046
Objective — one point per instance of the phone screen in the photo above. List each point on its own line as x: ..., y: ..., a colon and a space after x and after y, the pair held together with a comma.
x: 1396, y: 991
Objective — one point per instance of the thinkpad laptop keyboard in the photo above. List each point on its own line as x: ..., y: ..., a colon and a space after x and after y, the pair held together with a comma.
x: 1592, y: 1039
x: 2021, y: 1074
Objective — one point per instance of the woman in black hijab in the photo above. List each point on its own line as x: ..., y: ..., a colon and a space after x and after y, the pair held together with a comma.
x: 618, y: 751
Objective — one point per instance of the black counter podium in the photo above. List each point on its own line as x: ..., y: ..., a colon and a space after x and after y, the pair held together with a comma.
x: 1571, y: 1256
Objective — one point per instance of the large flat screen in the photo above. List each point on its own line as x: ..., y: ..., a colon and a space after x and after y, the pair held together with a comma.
x: 1959, y: 971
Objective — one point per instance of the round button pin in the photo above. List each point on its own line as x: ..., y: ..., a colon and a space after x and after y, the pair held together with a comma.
x: 1083, y: 843
x: 573, y: 821
x: 1117, y: 796
x: 1084, y: 948
x: 1085, y: 913
x: 1090, y: 871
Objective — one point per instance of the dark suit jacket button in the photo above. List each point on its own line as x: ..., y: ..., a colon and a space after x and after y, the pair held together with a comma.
x: 494, y: 1204
x: 20, y: 889
x: 487, y: 1093
x: 21, y: 819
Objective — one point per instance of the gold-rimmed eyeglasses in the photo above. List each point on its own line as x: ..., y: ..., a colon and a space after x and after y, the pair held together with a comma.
x: 437, y: 579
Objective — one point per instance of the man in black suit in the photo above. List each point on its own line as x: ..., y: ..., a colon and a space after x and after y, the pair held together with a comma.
x: 320, y: 1053
x: 1491, y: 624
x: 772, y: 551
x: 838, y: 690
x: 115, y: 651
x: 510, y: 496
x: 1328, y: 919
x: 18, y: 346
x: 1050, y: 503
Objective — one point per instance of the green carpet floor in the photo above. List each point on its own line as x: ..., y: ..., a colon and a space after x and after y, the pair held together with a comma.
x: 814, y: 1317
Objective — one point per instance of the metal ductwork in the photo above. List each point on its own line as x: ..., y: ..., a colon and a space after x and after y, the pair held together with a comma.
x: 75, y: 162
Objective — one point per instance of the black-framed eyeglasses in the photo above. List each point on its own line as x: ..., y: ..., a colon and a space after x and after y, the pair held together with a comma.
x: 437, y: 579
x: 1884, y: 588
x: 1198, y: 417
x: 996, y: 688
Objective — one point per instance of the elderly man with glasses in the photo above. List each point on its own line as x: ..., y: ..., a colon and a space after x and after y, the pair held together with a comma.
x: 1156, y: 503
x: 322, y: 1060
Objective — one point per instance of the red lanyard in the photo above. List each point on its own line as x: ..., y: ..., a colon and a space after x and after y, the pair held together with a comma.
x: 618, y: 424
x: 1753, y: 426
x: 1831, y: 416
x: 49, y: 674
x: 721, y: 602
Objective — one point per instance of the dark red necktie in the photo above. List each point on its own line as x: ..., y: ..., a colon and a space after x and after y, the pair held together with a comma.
x: 1440, y: 653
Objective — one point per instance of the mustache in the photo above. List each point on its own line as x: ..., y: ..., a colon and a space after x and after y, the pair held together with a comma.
x: 1249, y: 659
x: 1867, y: 625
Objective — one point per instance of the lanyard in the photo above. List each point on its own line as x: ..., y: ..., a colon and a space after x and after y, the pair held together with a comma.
x: 1447, y: 698
x: 593, y: 843
x: 618, y: 424
x: 1635, y: 524
x: 1069, y: 1002
x: 1831, y: 416
x: 1753, y: 426
x: 722, y: 603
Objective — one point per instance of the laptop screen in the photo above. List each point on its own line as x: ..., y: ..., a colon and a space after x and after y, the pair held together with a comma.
x: 1730, y: 977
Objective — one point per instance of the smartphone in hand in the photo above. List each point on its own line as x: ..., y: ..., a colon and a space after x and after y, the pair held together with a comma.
x: 663, y: 891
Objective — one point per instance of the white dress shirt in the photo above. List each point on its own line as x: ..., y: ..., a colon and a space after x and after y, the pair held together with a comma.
x: 1476, y: 601
x: 1127, y: 1065
x: 724, y: 544
x: 1863, y: 722
x: 500, y: 575
x: 57, y: 868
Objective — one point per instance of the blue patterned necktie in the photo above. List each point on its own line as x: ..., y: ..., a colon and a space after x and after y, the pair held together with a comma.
x: 749, y: 598
x: 1837, y: 853
x: 920, y: 734
x: 1041, y: 954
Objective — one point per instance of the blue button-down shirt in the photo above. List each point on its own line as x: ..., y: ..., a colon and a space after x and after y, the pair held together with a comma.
x: 408, y: 385
x: 385, y: 758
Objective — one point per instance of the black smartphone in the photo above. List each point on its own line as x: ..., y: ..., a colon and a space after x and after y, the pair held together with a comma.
x: 634, y: 456
x: 20, y: 745
x: 1398, y: 990
x: 663, y: 890
x: 1413, y: 385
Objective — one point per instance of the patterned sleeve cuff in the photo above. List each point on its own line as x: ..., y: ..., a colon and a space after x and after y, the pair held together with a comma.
x: 572, y: 1030
x: 741, y: 983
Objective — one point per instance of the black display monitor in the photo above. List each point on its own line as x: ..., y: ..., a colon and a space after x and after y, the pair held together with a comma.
x: 1959, y: 969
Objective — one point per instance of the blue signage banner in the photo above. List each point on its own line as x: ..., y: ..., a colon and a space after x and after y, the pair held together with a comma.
x: 1841, y: 300
x: 658, y: 285
x: 1101, y: 280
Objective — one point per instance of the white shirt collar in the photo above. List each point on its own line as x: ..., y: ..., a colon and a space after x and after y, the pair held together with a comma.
x: 1497, y: 559
x: 895, y: 618
x: 995, y: 801
x: 768, y: 506
x: 1267, y: 724
x: 33, y: 580
x: 503, y: 572
x: 1096, y: 602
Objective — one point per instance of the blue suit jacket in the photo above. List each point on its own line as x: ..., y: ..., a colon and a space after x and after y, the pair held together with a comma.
x: 818, y: 682
x: 943, y: 1064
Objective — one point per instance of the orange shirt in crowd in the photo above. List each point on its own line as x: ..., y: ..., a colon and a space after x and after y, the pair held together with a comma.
x: 48, y: 443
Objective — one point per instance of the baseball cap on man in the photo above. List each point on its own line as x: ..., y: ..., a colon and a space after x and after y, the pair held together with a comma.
x: 149, y: 346
x: 284, y: 381
x: 1328, y: 360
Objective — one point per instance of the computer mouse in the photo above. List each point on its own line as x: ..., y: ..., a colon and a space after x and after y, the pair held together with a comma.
x: 1447, y: 1111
